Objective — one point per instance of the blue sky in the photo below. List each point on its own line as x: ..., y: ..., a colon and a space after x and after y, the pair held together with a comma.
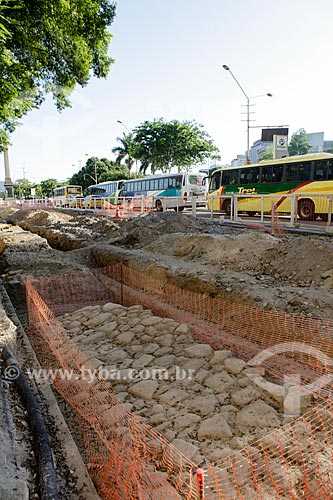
x: 168, y: 63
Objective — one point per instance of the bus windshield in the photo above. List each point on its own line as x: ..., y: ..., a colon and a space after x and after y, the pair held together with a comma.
x: 74, y: 190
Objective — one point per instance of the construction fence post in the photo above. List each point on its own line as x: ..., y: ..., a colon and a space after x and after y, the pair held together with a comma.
x: 194, y: 207
x: 235, y: 207
x: 200, y: 483
x: 329, y: 211
x: 273, y: 217
x: 121, y: 285
x: 262, y: 209
x: 293, y: 212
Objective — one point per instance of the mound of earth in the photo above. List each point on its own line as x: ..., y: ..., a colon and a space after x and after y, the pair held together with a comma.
x: 62, y: 230
x: 293, y: 273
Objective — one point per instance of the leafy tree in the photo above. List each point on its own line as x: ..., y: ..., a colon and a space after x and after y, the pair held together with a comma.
x: 267, y: 155
x: 49, y: 46
x: 103, y: 169
x: 22, y: 188
x: 161, y: 145
x: 299, y: 143
x: 115, y: 173
x: 124, y: 151
x: 47, y: 186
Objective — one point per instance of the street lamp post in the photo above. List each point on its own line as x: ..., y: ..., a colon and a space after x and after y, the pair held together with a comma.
x: 123, y: 124
x: 95, y: 169
x: 247, y: 162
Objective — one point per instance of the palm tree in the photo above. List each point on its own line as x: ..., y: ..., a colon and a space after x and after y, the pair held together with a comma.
x: 123, y: 152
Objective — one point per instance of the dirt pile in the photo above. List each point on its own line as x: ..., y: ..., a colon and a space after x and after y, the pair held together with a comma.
x: 64, y: 231
x: 293, y: 273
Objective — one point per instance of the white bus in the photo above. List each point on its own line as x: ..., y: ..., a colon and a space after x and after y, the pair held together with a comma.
x: 62, y: 196
x: 175, y: 191
x: 98, y: 194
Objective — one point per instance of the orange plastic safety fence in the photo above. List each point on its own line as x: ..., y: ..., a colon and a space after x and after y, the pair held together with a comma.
x: 122, y: 452
x: 294, y: 462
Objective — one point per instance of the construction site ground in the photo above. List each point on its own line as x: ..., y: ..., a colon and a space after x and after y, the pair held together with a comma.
x: 291, y: 273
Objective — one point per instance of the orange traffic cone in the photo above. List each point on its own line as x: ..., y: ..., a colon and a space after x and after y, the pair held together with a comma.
x: 117, y: 216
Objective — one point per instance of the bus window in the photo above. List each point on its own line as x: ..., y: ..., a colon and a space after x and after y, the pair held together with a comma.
x: 266, y: 174
x: 291, y: 172
x: 330, y: 170
x: 230, y: 177
x: 304, y: 171
x: 215, y: 182
x: 179, y: 180
x: 226, y: 178
x: 254, y: 175
x: 320, y: 170
x: 234, y: 176
x: 244, y: 176
x: 277, y: 173
x: 196, y: 180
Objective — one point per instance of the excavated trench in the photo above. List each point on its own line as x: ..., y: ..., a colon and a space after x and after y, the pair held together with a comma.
x: 200, y: 256
x: 291, y: 273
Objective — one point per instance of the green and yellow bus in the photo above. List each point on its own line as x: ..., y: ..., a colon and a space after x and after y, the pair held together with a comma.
x: 302, y: 175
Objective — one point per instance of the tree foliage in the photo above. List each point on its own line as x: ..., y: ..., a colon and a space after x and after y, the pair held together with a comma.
x: 267, y: 155
x: 299, y: 143
x: 161, y: 145
x: 103, y: 169
x: 124, y: 151
x: 48, y: 186
x: 49, y: 46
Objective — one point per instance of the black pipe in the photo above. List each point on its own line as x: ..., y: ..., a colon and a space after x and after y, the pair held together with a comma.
x: 46, y: 473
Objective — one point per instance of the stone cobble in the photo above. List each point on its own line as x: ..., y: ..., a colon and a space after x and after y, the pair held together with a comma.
x: 201, y: 400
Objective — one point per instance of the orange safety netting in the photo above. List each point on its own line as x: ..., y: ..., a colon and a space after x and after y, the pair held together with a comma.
x: 125, y: 454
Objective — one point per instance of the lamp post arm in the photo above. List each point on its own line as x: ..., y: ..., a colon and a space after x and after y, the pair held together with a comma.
x: 91, y: 177
x: 239, y: 85
x: 123, y: 124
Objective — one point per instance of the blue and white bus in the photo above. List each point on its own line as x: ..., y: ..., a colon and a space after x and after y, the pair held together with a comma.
x: 107, y: 191
x: 175, y: 191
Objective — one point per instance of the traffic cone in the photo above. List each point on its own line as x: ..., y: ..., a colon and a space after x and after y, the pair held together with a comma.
x: 117, y: 216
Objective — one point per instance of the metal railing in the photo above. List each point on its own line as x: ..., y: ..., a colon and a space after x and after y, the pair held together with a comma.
x: 293, y: 210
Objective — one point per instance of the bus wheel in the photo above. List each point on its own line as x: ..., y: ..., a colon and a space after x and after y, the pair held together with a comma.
x: 251, y: 214
x: 178, y: 209
x: 306, y: 209
x: 226, y: 207
x: 159, y: 206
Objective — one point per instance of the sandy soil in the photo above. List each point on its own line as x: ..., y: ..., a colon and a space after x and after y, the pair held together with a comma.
x: 293, y: 273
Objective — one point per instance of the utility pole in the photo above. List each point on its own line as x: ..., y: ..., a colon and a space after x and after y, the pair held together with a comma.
x: 247, y: 161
